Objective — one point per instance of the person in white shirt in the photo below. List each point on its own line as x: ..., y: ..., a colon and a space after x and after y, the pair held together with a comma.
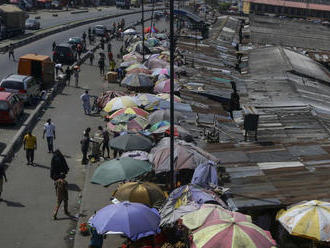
x: 49, y: 130
x: 85, y: 98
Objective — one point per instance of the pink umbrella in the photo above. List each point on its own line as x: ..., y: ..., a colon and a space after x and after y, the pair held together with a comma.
x: 157, y: 63
x: 164, y: 86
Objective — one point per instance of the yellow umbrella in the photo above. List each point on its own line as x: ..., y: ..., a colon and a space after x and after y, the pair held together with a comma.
x: 119, y: 103
x: 143, y: 192
x: 308, y: 219
x: 136, y: 66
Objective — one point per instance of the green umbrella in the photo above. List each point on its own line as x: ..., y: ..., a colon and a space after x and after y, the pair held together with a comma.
x: 131, y: 142
x: 121, y: 169
x: 158, y: 125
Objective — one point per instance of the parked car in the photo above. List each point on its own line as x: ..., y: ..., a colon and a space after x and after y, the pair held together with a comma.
x: 32, y: 24
x: 100, y: 30
x: 11, y: 107
x: 26, y: 87
x: 65, y: 53
x: 77, y: 40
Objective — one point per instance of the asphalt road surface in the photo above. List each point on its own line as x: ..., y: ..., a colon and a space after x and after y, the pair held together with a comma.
x: 43, y: 47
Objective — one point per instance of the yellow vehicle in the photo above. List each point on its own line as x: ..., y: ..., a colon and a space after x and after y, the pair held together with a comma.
x: 39, y: 66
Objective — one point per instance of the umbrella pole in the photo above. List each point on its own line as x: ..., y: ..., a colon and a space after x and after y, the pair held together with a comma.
x: 172, y: 92
x: 142, y: 22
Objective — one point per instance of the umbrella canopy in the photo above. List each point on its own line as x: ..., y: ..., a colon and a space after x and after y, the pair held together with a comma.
x: 205, y: 174
x: 138, y: 47
x: 159, y: 71
x: 117, y: 170
x: 134, y: 56
x: 106, y: 96
x: 211, y: 212
x: 133, y: 111
x: 157, y: 63
x: 134, y: 220
x: 131, y: 142
x: 146, y: 98
x: 160, y: 115
x: 135, y: 66
x: 307, y: 219
x: 120, y: 102
x: 137, y: 80
x: 158, y: 125
x: 140, y: 155
x: 164, y: 86
x: 127, y: 122
x: 161, y: 36
x: 139, y: 70
x: 170, y: 217
x: 152, y: 29
x: 129, y: 31
x: 231, y: 233
x: 186, y: 156
x: 128, y: 63
x: 143, y: 192
x: 166, y: 96
x: 178, y: 130
x: 153, y: 42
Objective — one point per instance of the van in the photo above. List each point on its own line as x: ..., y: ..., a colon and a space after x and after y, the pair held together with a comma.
x: 65, y: 53
x: 26, y: 87
x: 40, y: 67
x: 11, y: 108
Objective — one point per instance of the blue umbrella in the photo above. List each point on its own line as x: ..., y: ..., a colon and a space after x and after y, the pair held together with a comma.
x: 134, y: 220
x: 205, y: 174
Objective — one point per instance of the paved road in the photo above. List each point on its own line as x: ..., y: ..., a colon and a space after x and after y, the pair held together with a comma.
x: 43, y: 46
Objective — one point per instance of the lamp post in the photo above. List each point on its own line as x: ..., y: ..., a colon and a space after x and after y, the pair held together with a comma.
x: 172, y: 92
x: 142, y: 22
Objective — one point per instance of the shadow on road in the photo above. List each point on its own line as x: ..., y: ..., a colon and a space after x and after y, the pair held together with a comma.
x: 2, y: 146
x: 13, y: 204
x: 42, y: 166
x: 73, y: 187
x: 18, y: 125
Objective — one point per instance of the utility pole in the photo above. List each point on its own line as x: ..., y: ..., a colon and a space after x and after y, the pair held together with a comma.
x: 142, y: 22
x: 172, y: 93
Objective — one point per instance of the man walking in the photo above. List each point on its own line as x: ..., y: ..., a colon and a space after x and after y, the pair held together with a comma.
x: 59, y: 166
x: 101, y: 65
x: 2, y: 176
x: 30, y: 144
x: 85, y: 98
x: 76, y: 76
x: 84, y: 147
x: 11, y: 51
x: 68, y: 75
x: 61, y: 188
x: 49, y: 130
x: 105, y: 142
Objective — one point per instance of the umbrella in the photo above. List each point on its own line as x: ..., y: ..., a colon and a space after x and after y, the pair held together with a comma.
x: 307, y: 219
x: 157, y: 63
x: 178, y: 130
x: 231, y: 233
x: 137, y: 47
x: 166, y: 96
x: 141, y: 155
x: 129, y: 31
x: 143, y: 192
x: 170, y: 217
x: 131, y: 142
x: 186, y: 156
x: 152, y: 42
x: 160, y: 115
x: 135, y: 56
x: 128, y: 63
x: 117, y: 170
x: 158, y: 125
x: 211, y: 212
x: 137, y: 80
x: 120, y: 102
x: 145, y: 98
x: 178, y: 106
x: 159, y: 71
x: 133, y: 111
x: 127, y: 122
x: 134, y: 220
x: 139, y: 70
x: 106, y: 96
x: 161, y: 36
x: 205, y: 174
x: 152, y: 29
x: 164, y: 86
x: 135, y: 66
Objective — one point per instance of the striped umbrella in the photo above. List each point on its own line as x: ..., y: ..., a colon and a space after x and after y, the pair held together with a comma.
x: 211, y: 212
x: 164, y: 86
x: 133, y: 111
x: 231, y: 233
x: 158, y: 125
x: 120, y: 102
x: 136, y: 123
x: 137, y: 80
x: 146, y: 98
x: 307, y: 219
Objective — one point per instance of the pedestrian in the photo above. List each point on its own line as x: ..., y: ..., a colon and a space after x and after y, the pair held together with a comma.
x: 54, y: 46
x: 59, y: 166
x: 102, y: 43
x: 101, y: 65
x: 96, y: 240
x: 2, y: 176
x: 30, y: 144
x: 84, y: 35
x: 110, y: 55
x: 76, y: 76
x: 61, y: 189
x: 84, y: 142
x: 91, y: 57
x: 112, y: 64
x: 85, y: 98
x: 89, y: 30
x: 90, y: 40
x: 109, y: 46
x: 68, y: 75
x: 105, y: 141
x: 58, y: 67
x: 49, y: 130
x: 11, y: 51
x: 79, y: 50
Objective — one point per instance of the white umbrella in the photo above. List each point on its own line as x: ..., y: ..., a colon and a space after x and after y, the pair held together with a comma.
x: 129, y: 31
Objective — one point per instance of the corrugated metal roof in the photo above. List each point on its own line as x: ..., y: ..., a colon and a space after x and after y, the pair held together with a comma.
x: 291, y: 4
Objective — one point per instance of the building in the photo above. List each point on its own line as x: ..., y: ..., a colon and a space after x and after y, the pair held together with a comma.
x: 305, y: 8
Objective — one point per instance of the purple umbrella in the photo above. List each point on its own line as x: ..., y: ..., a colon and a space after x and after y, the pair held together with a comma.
x: 205, y: 174
x: 134, y: 220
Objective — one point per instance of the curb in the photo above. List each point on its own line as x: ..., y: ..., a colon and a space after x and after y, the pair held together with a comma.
x: 64, y: 27
x: 79, y: 11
